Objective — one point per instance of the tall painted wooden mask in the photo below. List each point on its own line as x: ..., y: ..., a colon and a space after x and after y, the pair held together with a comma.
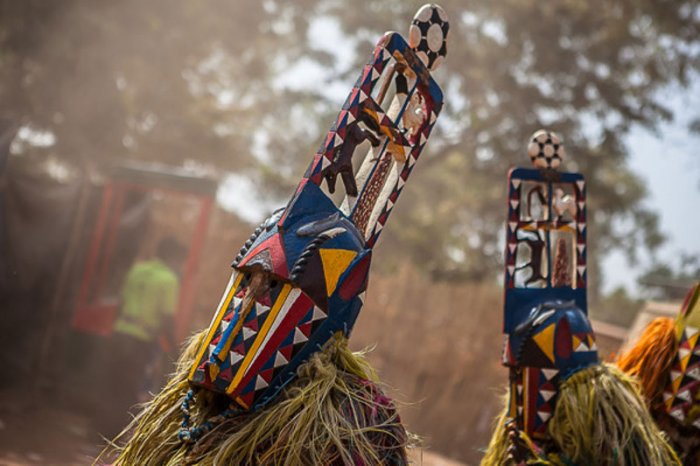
x: 547, y: 333
x: 301, y: 277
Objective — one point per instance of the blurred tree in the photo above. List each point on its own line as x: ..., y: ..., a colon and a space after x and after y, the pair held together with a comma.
x: 176, y: 82
x: 617, y: 307
x: 671, y: 282
x: 242, y: 85
x: 586, y: 69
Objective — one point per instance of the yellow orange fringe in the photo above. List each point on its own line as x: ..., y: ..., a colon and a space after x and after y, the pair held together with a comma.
x: 650, y: 359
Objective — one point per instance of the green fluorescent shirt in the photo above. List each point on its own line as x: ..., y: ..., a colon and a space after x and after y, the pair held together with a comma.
x: 149, y: 297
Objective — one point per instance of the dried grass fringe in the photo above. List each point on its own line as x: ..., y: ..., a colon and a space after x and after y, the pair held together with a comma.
x: 332, y: 414
x: 599, y: 419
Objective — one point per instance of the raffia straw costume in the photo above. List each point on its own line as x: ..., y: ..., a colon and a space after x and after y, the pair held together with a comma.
x: 666, y: 359
x: 272, y: 380
x: 563, y: 407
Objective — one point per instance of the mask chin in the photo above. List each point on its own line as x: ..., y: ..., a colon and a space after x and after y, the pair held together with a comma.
x: 267, y: 323
x: 552, y: 344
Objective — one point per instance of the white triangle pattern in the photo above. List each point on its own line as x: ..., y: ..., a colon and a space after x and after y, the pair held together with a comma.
x: 678, y: 414
x: 694, y: 373
x: 318, y: 314
x: 260, y: 383
x: 299, y: 336
x: 280, y: 360
x: 324, y: 162
x: 582, y: 348
x: 261, y: 309
x: 684, y: 395
x: 247, y: 333
x: 235, y: 357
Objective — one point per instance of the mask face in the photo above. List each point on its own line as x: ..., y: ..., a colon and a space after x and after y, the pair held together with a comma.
x: 553, y: 343
x: 682, y: 395
x: 284, y: 303
x: 547, y: 333
x: 300, y: 278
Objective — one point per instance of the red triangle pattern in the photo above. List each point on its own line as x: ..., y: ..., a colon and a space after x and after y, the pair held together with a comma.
x: 306, y: 328
x: 267, y: 375
x: 239, y: 348
x: 286, y: 352
x: 253, y: 325
x: 248, y: 398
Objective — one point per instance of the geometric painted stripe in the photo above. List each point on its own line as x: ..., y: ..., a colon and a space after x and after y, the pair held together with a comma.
x: 276, y: 328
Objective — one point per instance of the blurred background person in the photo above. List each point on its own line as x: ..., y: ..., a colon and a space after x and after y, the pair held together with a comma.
x: 144, y: 329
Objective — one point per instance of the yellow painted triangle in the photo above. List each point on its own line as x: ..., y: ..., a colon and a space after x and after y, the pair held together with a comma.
x: 545, y: 340
x: 213, y: 371
x: 335, y: 262
x: 669, y: 402
x: 577, y: 341
x: 693, y: 340
x: 676, y: 384
x: 684, y: 361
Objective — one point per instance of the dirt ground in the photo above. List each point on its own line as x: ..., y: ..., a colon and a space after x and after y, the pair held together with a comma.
x: 43, y: 435
x: 47, y: 435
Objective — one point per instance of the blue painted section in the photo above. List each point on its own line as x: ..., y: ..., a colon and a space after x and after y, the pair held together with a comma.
x: 520, y: 301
